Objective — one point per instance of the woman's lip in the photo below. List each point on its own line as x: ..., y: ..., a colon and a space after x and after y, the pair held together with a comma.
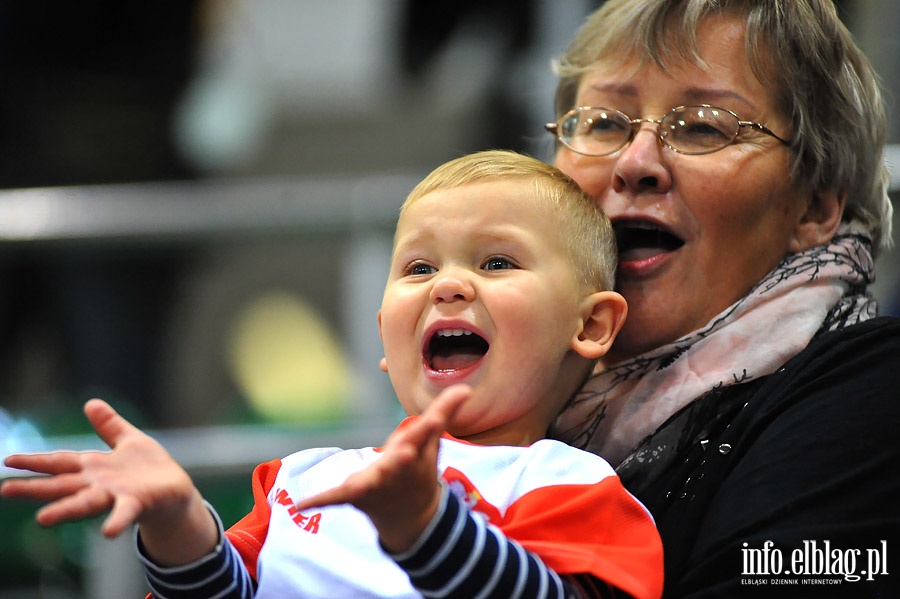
x: 629, y: 269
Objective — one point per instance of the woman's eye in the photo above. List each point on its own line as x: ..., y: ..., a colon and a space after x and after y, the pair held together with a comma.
x: 420, y: 268
x: 704, y: 131
x: 606, y: 127
x: 498, y: 263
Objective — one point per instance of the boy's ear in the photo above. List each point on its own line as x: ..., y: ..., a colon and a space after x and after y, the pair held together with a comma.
x: 382, y: 364
x: 819, y: 220
x: 602, y: 316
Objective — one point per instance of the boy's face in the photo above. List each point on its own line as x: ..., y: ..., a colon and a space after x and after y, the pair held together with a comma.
x: 482, y: 291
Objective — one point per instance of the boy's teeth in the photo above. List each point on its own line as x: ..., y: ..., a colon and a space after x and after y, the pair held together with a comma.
x: 453, y: 332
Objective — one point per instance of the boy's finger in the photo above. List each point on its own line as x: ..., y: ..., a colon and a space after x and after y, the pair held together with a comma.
x: 334, y: 496
x: 43, y: 488
x: 88, y: 502
x: 449, y: 401
x: 57, y: 462
x: 432, y: 423
x: 110, y: 426
x: 440, y: 413
x: 125, y: 512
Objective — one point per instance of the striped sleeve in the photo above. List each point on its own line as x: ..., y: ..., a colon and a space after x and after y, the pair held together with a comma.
x: 219, y: 575
x: 461, y: 555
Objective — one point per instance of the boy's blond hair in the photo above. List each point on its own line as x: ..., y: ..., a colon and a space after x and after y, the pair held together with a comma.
x: 583, y: 224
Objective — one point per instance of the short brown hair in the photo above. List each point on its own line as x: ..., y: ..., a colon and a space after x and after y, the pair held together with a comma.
x: 822, y: 80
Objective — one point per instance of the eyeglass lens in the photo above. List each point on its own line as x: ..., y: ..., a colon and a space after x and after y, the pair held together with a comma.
x: 690, y: 130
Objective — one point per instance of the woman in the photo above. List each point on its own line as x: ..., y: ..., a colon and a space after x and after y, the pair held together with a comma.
x: 751, y: 400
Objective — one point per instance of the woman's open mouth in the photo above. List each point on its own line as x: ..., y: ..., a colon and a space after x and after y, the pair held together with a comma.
x: 451, y: 350
x: 642, y: 240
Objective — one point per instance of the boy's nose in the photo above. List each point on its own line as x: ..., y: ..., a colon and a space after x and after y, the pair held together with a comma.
x: 452, y: 285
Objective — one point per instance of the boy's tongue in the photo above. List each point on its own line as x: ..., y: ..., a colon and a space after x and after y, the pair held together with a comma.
x: 449, y: 353
x: 455, y: 360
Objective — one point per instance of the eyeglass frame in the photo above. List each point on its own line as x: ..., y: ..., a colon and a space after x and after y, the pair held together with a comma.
x: 556, y: 128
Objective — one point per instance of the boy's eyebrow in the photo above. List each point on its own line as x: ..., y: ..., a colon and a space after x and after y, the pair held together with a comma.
x: 495, y: 233
x: 408, y: 239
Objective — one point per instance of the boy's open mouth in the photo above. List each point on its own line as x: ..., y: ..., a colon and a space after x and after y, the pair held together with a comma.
x: 454, y: 349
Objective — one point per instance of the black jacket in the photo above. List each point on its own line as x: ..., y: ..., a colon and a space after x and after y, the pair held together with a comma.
x: 787, y: 485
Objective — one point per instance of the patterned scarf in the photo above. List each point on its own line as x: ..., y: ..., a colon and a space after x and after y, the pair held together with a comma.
x: 820, y: 289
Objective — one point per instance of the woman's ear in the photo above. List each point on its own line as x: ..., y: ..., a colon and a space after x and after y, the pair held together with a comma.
x: 602, y: 316
x: 820, y: 220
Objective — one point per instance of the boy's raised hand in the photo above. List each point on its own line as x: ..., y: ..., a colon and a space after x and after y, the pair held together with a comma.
x: 400, y: 491
x: 138, y: 481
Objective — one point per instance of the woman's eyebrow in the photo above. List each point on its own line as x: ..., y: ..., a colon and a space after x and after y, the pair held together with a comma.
x: 703, y: 95
x: 706, y: 94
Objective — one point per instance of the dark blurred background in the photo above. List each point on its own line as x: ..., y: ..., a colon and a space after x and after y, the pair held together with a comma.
x: 105, y: 93
x: 196, y: 203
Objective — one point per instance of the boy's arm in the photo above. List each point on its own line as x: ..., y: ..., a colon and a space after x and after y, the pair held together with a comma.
x: 219, y: 574
x: 462, y: 556
x: 137, y: 482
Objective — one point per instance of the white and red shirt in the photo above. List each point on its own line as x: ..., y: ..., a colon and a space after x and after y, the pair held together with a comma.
x: 564, y: 505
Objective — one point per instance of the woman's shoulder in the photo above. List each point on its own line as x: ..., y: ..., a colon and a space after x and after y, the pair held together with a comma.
x: 882, y: 328
x: 867, y: 351
x: 805, y: 455
x: 880, y: 331
x: 851, y: 374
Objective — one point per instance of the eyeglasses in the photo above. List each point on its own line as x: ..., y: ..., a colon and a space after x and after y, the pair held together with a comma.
x: 595, y: 131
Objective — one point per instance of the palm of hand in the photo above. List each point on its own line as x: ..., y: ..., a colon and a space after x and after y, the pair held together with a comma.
x: 137, y: 481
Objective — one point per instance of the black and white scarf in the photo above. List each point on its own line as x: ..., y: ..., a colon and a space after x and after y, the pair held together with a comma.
x: 818, y: 290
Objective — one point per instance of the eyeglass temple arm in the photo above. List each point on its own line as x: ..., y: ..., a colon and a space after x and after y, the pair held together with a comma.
x: 764, y: 129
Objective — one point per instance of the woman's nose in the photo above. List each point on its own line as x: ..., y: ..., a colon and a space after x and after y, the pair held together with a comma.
x: 640, y: 165
x: 452, y: 285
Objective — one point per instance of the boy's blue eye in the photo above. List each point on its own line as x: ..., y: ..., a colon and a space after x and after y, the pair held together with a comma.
x: 420, y: 268
x: 498, y: 263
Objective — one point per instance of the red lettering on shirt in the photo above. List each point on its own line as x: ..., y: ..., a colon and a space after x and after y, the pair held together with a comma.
x: 313, y: 525
x: 283, y: 498
x: 309, y: 523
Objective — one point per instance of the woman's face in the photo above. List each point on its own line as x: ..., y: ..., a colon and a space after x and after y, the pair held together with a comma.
x: 703, y: 228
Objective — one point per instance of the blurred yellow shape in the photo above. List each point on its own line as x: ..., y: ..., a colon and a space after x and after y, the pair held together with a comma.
x: 287, y: 362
